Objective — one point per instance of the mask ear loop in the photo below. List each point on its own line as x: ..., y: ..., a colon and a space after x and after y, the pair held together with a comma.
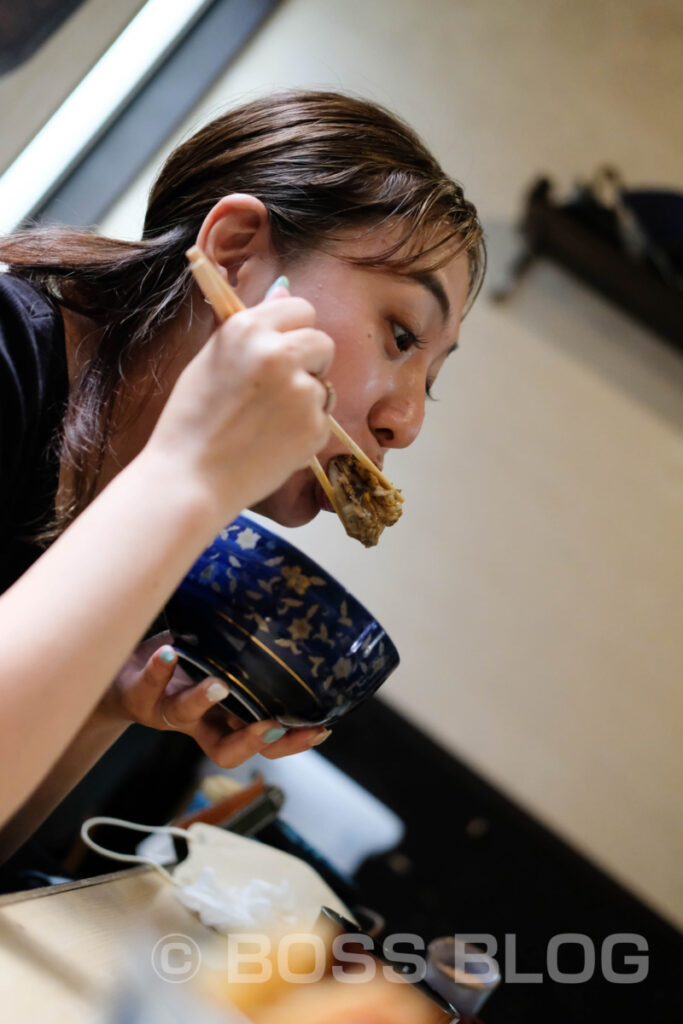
x: 133, y: 858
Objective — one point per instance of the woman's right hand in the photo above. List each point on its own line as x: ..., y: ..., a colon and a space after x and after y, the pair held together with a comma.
x: 247, y: 411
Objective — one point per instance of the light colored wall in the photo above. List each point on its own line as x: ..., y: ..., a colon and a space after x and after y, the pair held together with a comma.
x: 30, y: 93
x: 535, y: 584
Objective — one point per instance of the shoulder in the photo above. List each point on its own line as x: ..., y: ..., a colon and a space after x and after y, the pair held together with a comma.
x: 31, y: 342
x: 24, y: 302
x: 33, y: 373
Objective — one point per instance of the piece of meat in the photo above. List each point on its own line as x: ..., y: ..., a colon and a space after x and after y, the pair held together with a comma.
x: 365, y: 505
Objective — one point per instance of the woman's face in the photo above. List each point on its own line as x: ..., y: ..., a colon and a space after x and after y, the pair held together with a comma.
x: 392, y: 334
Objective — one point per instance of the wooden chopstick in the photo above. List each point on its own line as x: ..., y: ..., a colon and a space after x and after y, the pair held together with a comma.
x: 327, y: 487
x: 222, y: 810
x: 225, y: 302
x: 217, y: 290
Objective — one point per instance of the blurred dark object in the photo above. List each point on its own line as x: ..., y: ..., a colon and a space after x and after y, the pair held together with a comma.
x: 626, y: 243
x: 263, y: 810
x: 25, y: 26
x: 462, y: 973
x: 347, y: 928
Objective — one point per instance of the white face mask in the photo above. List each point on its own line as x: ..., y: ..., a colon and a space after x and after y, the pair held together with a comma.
x: 234, y: 883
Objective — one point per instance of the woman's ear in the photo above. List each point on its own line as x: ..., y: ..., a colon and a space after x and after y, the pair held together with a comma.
x: 234, y: 229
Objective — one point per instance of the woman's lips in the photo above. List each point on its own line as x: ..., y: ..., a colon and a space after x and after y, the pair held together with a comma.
x: 322, y: 501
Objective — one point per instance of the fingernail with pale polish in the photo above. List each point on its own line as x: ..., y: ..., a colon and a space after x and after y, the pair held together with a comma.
x: 282, y: 282
x: 320, y: 738
x: 216, y: 691
x: 272, y: 735
x: 167, y: 655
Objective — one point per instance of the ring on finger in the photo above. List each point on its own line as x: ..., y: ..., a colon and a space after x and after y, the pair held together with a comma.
x: 331, y: 395
x: 169, y: 724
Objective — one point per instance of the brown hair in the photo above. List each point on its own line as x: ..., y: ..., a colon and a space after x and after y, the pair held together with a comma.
x: 321, y: 162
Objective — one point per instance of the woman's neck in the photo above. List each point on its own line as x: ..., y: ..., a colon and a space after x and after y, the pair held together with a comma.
x: 145, y: 390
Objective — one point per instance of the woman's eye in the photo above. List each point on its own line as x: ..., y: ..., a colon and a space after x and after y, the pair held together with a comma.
x: 405, y: 338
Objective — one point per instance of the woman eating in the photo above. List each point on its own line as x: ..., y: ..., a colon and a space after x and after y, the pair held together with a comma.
x: 133, y: 427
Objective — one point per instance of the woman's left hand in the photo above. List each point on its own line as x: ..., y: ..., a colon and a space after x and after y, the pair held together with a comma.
x: 150, y: 689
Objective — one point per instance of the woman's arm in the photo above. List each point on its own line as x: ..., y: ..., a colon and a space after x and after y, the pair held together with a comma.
x: 67, y: 625
x: 244, y: 414
x: 91, y: 741
x: 152, y: 691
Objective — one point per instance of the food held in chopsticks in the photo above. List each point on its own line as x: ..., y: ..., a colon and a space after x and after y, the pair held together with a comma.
x: 359, y: 493
x: 363, y: 502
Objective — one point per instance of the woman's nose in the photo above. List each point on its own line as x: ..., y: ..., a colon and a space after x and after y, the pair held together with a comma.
x: 395, y: 419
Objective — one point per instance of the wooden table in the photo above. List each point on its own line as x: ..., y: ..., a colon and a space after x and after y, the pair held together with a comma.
x: 60, y: 946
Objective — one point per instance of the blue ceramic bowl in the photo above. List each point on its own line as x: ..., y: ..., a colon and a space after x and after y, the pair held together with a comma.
x: 290, y: 641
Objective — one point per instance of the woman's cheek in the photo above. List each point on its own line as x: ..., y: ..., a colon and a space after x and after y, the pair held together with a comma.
x: 356, y: 374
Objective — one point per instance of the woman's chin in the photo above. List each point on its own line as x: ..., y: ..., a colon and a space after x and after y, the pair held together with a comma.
x: 291, y: 517
x: 291, y: 505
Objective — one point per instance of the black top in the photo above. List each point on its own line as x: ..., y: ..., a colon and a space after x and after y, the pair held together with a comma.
x: 33, y: 392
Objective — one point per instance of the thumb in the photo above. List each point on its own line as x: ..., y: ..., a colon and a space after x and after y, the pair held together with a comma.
x: 157, y: 672
x: 278, y: 290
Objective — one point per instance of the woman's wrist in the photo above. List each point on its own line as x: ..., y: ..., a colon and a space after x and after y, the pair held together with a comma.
x: 187, y: 496
x: 106, y: 721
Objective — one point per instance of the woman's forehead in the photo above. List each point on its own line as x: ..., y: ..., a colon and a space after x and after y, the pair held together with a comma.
x: 411, y: 261
x: 407, y: 244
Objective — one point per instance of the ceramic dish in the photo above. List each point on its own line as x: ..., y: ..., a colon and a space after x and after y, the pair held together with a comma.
x: 290, y: 641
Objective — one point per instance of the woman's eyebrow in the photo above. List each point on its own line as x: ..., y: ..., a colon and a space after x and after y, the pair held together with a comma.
x: 433, y: 285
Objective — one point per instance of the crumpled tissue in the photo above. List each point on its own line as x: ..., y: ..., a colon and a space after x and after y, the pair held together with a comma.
x: 258, y: 903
